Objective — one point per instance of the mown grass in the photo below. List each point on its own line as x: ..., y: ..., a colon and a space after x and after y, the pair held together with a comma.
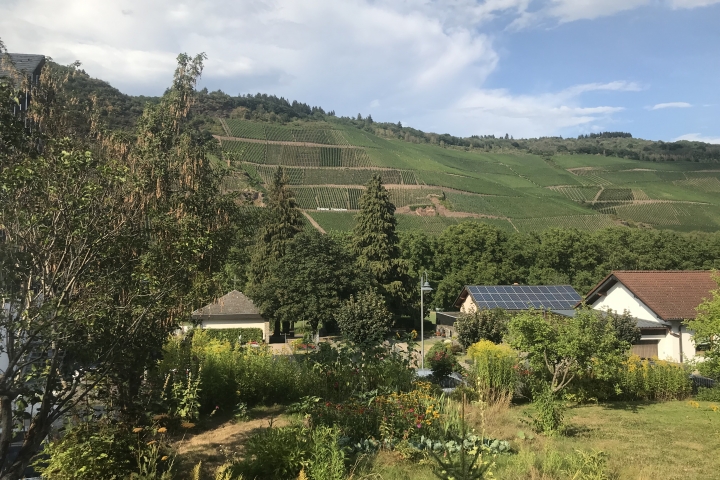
x: 645, y: 441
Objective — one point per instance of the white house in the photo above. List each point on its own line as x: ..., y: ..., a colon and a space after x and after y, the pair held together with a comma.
x: 660, y: 301
x: 233, y: 310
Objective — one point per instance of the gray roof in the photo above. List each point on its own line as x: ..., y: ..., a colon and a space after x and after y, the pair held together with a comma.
x: 234, y: 303
x: 643, y: 324
x: 28, y: 64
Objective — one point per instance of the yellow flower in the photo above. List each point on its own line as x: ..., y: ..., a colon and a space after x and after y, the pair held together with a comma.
x: 162, y: 430
x: 165, y: 457
x: 137, y: 429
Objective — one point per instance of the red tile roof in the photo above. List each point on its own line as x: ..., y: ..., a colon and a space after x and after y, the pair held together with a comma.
x: 672, y: 295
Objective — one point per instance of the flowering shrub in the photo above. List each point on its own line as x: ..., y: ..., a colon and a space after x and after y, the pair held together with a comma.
x: 441, y: 360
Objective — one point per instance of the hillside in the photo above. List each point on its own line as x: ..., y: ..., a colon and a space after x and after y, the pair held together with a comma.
x: 437, y: 180
x: 437, y: 185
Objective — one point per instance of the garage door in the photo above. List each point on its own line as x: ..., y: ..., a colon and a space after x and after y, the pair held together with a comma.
x: 646, y: 349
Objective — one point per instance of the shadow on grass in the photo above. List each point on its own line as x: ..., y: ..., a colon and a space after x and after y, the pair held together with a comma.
x: 572, y: 430
x: 634, y: 407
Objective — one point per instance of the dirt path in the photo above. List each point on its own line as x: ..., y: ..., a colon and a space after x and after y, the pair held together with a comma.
x: 444, y: 212
x: 283, y: 142
x: 220, y: 444
x: 313, y: 222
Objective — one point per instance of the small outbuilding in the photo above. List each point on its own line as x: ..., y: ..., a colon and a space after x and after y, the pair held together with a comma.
x: 234, y: 310
x: 559, y: 299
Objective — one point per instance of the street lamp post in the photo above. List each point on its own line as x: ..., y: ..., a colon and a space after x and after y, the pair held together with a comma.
x: 424, y: 287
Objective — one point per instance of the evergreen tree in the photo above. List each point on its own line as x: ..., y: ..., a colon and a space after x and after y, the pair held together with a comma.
x: 283, y: 223
x: 375, y: 242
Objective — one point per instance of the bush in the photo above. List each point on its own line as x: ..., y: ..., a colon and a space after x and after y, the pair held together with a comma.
x: 442, y: 360
x: 495, y: 371
x: 482, y: 324
x: 709, y: 367
x: 102, y: 449
x: 364, y: 318
x: 281, y: 453
x: 709, y: 394
x: 548, y: 418
x: 227, y: 375
x: 349, y: 370
x: 233, y: 335
x: 388, y: 417
x: 654, y: 380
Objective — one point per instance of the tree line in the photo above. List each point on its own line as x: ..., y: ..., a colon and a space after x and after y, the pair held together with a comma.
x: 302, y: 275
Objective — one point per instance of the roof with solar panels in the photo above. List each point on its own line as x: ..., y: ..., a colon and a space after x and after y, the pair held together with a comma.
x: 558, y: 298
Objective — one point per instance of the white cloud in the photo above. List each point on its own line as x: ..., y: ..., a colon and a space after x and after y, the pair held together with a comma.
x: 419, y: 60
x: 499, y: 111
x: 660, y: 106
x: 564, y: 11
x: 395, y: 47
x: 571, y: 10
x: 692, y: 3
x: 696, y: 137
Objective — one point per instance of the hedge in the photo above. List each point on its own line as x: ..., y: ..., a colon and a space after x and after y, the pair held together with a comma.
x: 231, y: 334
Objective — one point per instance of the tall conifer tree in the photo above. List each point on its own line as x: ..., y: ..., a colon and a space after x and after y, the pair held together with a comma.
x: 375, y: 242
x: 283, y: 223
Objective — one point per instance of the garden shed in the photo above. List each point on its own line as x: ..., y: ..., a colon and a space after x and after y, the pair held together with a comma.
x: 234, y: 310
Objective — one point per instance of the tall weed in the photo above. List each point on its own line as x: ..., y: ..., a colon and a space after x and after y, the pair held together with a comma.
x: 495, y: 371
x: 654, y: 380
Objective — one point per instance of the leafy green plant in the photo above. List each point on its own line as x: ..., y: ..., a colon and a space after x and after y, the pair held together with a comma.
x: 709, y: 394
x: 548, y: 415
x: 281, y: 453
x: 241, y: 412
x: 105, y: 449
x: 466, y: 463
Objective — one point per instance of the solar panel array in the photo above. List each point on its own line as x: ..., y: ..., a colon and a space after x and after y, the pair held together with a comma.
x: 521, y: 297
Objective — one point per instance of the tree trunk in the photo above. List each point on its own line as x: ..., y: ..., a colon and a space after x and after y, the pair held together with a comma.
x: 7, y: 427
x: 39, y: 429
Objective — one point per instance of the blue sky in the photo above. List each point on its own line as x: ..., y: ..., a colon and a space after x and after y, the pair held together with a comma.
x: 524, y: 67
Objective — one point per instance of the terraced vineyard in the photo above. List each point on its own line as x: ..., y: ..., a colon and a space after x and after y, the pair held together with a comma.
x: 578, y: 194
x: 312, y: 198
x: 402, y: 197
x: 293, y: 155
x: 308, y: 133
x: 337, y: 176
x: 326, y: 163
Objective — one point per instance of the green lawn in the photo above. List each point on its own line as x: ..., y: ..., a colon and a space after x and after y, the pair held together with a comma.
x: 643, y: 441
